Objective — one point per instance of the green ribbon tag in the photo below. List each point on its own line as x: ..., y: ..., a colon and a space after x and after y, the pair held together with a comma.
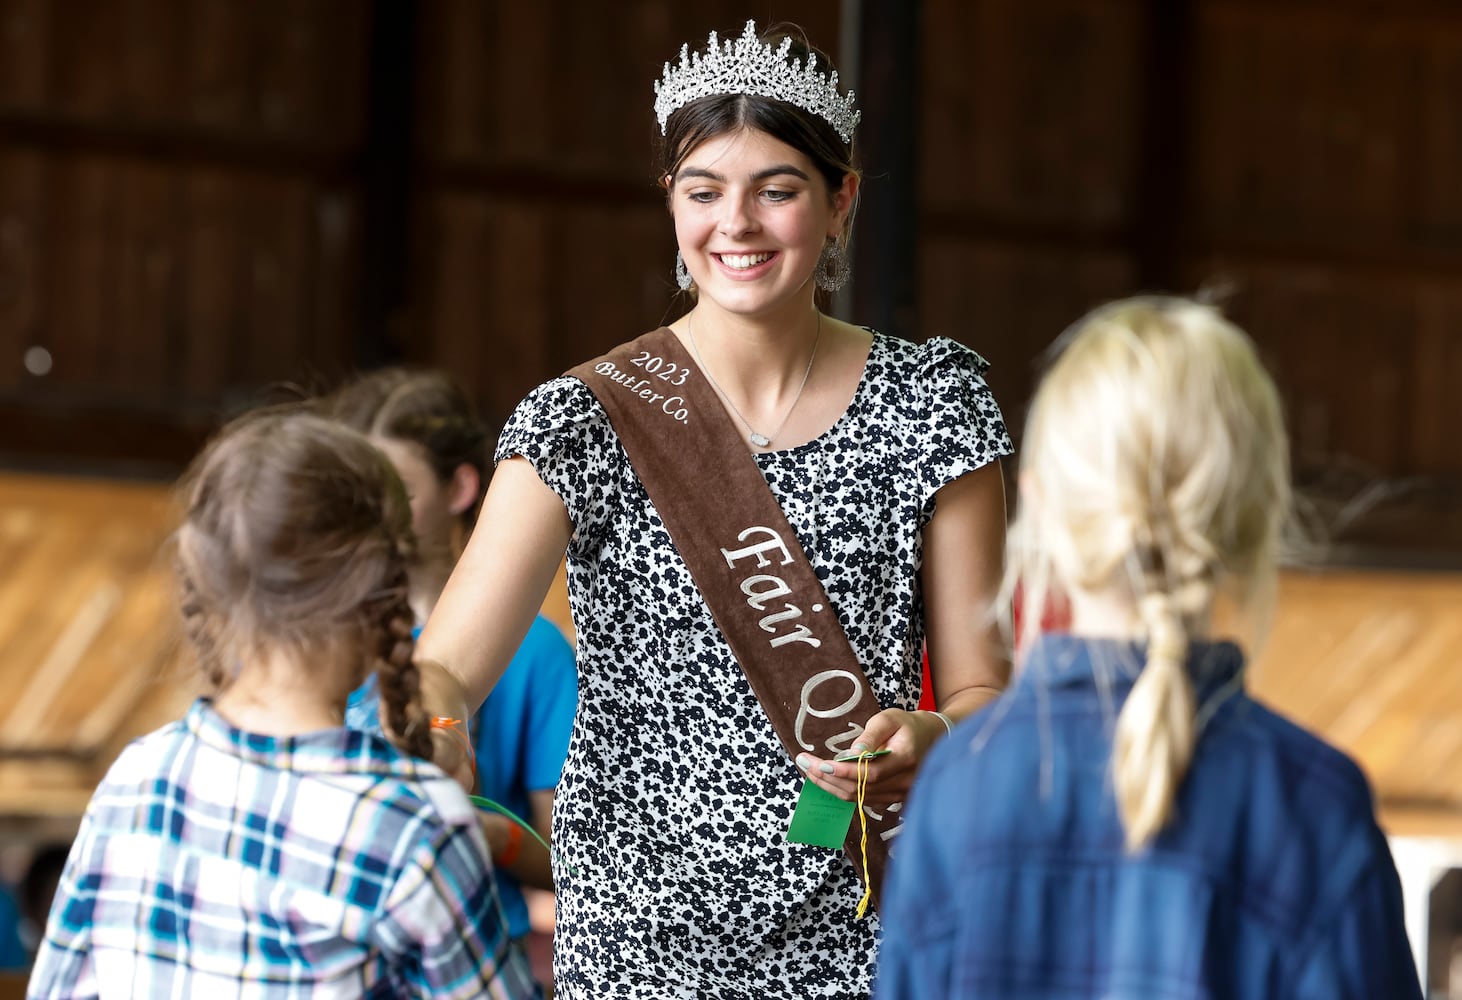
x: 821, y: 818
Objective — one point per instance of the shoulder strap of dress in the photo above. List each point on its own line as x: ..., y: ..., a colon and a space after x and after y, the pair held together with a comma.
x: 742, y: 553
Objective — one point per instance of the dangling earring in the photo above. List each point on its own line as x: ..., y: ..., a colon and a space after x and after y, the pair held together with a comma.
x: 682, y: 276
x: 832, y: 266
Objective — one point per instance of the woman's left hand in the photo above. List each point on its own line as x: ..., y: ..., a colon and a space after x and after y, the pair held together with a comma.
x: 907, y: 735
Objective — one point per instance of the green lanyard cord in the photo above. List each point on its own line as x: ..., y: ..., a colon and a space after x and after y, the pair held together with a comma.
x: 503, y: 810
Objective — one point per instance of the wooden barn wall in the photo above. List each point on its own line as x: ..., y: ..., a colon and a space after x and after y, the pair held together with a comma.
x: 1030, y: 133
x: 1303, y: 162
x: 179, y: 215
x: 188, y: 190
x: 1326, y: 181
x: 541, y: 236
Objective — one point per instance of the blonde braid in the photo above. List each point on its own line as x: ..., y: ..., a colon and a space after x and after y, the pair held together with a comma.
x: 1176, y: 494
x: 1155, y: 731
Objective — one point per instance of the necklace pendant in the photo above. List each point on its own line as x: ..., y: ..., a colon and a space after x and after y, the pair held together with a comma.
x: 760, y: 440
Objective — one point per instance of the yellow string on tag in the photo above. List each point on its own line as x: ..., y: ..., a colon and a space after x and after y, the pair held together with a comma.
x: 864, y: 763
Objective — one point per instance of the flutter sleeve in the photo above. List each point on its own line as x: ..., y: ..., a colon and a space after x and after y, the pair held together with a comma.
x: 566, y: 436
x: 963, y: 427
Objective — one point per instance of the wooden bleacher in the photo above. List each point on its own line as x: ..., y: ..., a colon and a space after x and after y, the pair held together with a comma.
x: 90, y: 651
x: 1373, y: 661
x: 89, y: 646
x: 91, y: 656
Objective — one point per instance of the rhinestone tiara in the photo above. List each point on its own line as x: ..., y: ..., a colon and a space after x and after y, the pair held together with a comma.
x: 747, y: 66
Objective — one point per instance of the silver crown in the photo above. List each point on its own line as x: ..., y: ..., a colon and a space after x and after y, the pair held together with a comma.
x: 746, y: 66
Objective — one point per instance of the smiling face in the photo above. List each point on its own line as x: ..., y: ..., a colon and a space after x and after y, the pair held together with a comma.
x: 751, y: 217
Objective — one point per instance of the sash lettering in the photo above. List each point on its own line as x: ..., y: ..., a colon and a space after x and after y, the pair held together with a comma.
x: 760, y: 588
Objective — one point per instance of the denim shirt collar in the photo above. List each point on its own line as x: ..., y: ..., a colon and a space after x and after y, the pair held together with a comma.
x: 1060, y: 660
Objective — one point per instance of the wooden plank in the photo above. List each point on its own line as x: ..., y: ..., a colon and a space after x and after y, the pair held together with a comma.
x: 90, y: 564
x: 449, y: 101
x: 1368, y: 660
x: 218, y: 60
x: 277, y: 246
x: 492, y: 272
x: 141, y: 340
x: 455, y: 280
x: 149, y: 56
x: 37, y: 602
x: 25, y: 52
x: 213, y: 289
x: 86, y: 68
x: 332, y: 279
x: 25, y: 725
x: 1048, y: 138
x: 631, y: 286
x: 45, y: 790
x: 80, y: 268
x: 171, y: 252
x: 22, y: 263
x: 1340, y: 347
x: 523, y: 43
x: 1010, y: 302
x: 105, y: 624
x: 1434, y: 403
x: 1308, y: 142
x: 1436, y: 205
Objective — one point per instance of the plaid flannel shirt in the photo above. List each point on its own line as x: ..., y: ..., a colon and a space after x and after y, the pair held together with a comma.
x: 215, y: 862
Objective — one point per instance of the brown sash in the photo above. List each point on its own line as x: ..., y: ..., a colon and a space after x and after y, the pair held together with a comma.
x: 743, y: 555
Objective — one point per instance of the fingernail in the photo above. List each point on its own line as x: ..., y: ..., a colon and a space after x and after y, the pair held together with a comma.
x: 827, y: 769
x: 861, y: 747
x: 804, y: 762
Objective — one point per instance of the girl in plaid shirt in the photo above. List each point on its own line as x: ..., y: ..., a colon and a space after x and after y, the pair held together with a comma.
x: 256, y: 848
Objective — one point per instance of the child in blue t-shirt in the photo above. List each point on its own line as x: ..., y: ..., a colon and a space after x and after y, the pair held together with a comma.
x: 424, y: 423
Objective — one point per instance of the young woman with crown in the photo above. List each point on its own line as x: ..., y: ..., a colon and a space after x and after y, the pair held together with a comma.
x: 677, y: 872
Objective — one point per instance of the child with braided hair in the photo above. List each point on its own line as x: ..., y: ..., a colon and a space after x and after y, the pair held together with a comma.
x: 1126, y: 822
x: 256, y: 847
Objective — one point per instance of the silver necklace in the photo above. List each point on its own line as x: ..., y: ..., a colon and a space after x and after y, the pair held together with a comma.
x: 757, y: 438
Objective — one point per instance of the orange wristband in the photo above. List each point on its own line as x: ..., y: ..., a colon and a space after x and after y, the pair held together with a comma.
x: 458, y: 728
x: 510, y: 853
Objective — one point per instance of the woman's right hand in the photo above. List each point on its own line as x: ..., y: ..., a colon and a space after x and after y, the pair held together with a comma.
x: 490, y: 601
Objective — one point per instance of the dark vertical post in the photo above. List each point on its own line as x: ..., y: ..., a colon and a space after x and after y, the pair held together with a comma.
x: 885, y: 283
x: 1164, y: 146
x: 386, y: 181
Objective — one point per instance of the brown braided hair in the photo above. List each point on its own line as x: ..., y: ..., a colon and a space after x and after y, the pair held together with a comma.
x: 394, y: 645
x: 295, y: 535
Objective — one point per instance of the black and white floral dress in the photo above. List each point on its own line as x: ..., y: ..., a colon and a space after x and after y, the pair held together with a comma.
x: 675, y: 876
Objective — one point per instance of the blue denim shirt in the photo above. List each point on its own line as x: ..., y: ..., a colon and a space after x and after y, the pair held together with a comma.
x: 1010, y: 878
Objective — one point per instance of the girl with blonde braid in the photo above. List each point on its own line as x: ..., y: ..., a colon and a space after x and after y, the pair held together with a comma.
x: 1126, y: 822
x: 256, y: 847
